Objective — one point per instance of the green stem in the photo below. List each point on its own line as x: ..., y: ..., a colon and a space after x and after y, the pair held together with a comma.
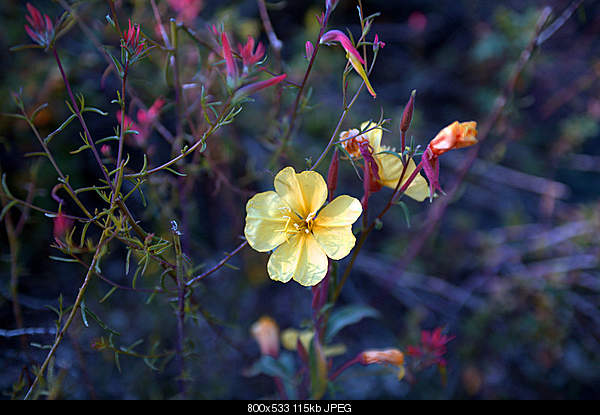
x: 78, y: 300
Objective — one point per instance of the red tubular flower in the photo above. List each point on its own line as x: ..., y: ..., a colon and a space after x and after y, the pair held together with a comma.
x: 131, y: 43
x: 249, y: 55
x: 432, y: 347
x: 338, y: 36
x: 40, y: 28
x: 352, y: 54
x: 148, y: 117
x: 257, y: 86
x: 132, y: 37
x: 232, y: 71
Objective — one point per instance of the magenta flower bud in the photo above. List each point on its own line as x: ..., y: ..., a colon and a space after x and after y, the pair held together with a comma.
x: 377, y: 43
x: 40, y: 28
x: 309, y: 49
x: 232, y: 72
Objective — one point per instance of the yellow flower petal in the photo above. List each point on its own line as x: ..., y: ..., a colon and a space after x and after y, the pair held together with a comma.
x: 418, y: 189
x: 265, y: 221
x: 344, y: 210
x: 290, y: 336
x: 301, y: 258
x: 374, y: 135
x: 390, y: 170
x: 337, y: 242
x: 305, y: 192
x: 333, y: 226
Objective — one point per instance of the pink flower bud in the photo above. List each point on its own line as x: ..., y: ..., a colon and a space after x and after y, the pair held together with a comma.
x: 377, y: 43
x: 62, y: 225
x: 309, y: 49
x: 232, y: 71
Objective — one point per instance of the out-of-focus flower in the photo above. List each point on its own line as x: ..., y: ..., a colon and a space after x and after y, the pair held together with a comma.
x: 40, y: 28
x: 249, y: 55
x: 456, y: 135
x: 187, y: 10
x: 62, y: 225
x: 105, y: 150
x: 266, y: 333
x: 392, y: 357
x: 432, y: 347
x: 290, y: 222
x: 291, y: 336
x: 417, y: 21
x: 148, y: 117
x: 389, y: 166
x: 145, y: 119
x: 352, y: 54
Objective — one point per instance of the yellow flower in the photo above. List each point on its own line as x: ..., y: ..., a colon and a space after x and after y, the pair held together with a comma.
x: 390, y: 166
x: 266, y: 333
x: 292, y: 222
x: 290, y: 337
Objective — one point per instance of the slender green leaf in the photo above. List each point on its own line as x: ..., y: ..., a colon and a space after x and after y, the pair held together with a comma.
x: 345, y: 316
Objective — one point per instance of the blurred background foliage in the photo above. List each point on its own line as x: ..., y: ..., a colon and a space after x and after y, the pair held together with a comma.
x: 512, y: 270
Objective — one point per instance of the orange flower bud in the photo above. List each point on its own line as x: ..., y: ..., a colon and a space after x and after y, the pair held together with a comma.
x: 456, y: 135
x: 266, y: 333
x: 388, y: 356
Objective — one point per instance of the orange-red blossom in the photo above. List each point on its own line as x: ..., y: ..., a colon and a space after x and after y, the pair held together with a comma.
x: 456, y: 135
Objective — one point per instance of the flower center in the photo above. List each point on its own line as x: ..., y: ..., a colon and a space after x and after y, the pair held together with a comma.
x: 351, y: 145
x: 295, y: 224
